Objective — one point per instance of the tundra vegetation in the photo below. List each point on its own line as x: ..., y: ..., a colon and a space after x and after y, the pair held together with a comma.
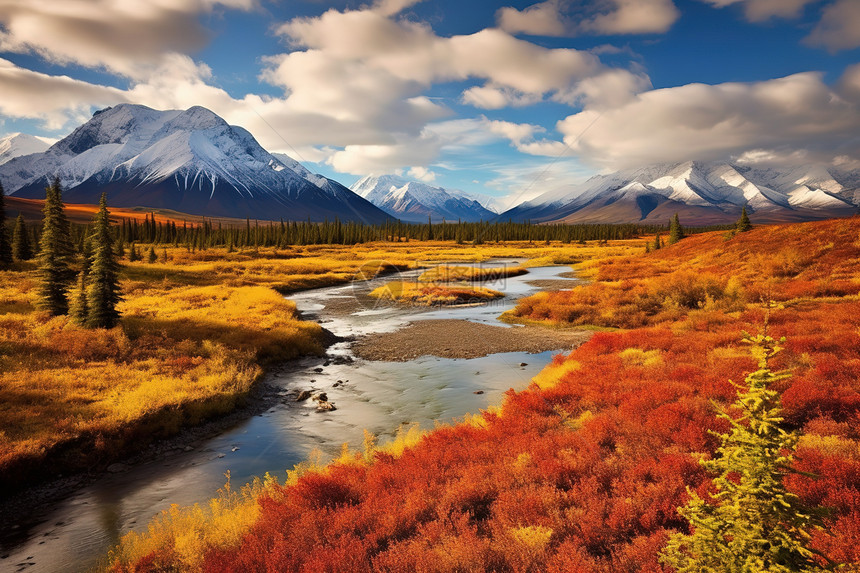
x: 586, y: 469
x: 432, y: 294
x: 195, y: 327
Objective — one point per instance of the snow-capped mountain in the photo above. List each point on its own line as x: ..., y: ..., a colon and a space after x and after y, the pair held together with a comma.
x: 190, y: 161
x: 18, y: 144
x: 702, y: 193
x: 416, y: 202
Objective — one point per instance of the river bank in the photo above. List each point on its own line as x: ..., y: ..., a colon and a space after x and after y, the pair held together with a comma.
x: 272, y: 432
x: 450, y: 338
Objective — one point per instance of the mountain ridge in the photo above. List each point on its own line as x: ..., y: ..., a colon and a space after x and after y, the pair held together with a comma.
x: 190, y: 161
x: 701, y: 192
x: 19, y: 144
x: 414, y: 201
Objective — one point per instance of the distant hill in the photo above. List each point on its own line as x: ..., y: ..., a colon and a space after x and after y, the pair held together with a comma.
x: 701, y: 193
x: 188, y: 161
x: 18, y: 144
x: 414, y: 201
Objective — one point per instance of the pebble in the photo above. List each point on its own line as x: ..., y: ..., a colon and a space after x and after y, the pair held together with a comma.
x: 478, y: 392
x: 303, y: 395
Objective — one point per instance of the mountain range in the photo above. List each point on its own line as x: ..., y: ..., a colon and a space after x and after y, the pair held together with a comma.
x: 190, y: 161
x: 702, y: 193
x: 193, y: 162
x: 414, y: 201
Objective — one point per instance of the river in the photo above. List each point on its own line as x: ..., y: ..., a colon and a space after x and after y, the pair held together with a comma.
x: 76, y: 533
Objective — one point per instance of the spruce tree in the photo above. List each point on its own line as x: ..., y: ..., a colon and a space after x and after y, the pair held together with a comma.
x: 79, y: 308
x: 658, y: 242
x: 133, y: 255
x: 743, y: 225
x: 151, y: 257
x: 676, y: 231
x: 5, y: 243
x: 103, y: 293
x: 753, y: 523
x: 56, y: 254
x: 21, y: 248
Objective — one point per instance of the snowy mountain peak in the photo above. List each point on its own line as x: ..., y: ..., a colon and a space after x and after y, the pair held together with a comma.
x: 416, y: 201
x: 18, y: 144
x: 190, y: 161
x: 707, y: 192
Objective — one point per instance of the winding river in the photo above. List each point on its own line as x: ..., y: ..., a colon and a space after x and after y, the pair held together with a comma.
x: 75, y: 533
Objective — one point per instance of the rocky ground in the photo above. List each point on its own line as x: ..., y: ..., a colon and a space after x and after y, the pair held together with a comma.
x: 462, y: 339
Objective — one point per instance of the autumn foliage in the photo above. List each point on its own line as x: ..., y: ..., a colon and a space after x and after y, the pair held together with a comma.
x: 584, y: 470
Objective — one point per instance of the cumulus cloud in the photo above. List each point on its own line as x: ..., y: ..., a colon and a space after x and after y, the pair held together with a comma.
x: 127, y: 37
x: 364, y: 159
x: 839, y: 28
x: 606, y: 17
x: 697, y: 121
x: 543, y: 19
x: 523, y: 136
x: 53, y: 99
x: 421, y: 174
x: 763, y: 10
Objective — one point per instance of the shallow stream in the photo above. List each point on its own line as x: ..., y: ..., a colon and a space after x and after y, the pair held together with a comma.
x: 378, y: 396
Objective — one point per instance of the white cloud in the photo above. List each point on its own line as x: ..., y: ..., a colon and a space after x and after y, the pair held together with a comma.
x: 839, y: 28
x: 128, y: 37
x: 605, y: 17
x: 697, y: 121
x: 54, y: 99
x: 491, y: 97
x: 523, y: 137
x: 421, y: 174
x: 763, y: 10
x: 516, y: 71
x: 543, y: 19
x: 392, y: 7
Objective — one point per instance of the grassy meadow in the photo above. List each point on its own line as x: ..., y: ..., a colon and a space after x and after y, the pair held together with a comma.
x: 198, y: 329
x: 584, y: 470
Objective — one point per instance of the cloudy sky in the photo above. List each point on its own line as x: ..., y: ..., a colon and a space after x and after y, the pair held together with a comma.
x: 504, y: 98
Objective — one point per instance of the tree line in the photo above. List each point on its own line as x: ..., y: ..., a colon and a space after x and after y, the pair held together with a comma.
x: 251, y: 234
x: 97, y: 293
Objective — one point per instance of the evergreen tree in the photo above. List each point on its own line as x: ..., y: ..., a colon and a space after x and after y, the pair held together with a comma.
x: 5, y: 243
x: 21, y: 248
x: 133, y: 254
x: 87, y: 255
x: 56, y: 254
x: 676, y: 231
x: 743, y: 225
x: 753, y: 524
x: 103, y: 292
x: 658, y: 242
x: 151, y: 257
x: 79, y: 310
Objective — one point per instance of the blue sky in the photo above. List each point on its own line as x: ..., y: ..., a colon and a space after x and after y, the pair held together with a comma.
x: 499, y: 98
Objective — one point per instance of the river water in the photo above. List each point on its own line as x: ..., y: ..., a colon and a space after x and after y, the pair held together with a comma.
x: 377, y: 396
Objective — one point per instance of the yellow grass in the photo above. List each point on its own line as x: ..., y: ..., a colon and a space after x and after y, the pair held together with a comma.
x: 449, y: 273
x: 188, y: 531
x: 429, y: 294
x: 197, y: 331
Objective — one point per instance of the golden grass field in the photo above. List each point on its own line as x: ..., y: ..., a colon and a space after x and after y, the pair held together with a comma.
x: 432, y: 294
x: 197, y: 331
